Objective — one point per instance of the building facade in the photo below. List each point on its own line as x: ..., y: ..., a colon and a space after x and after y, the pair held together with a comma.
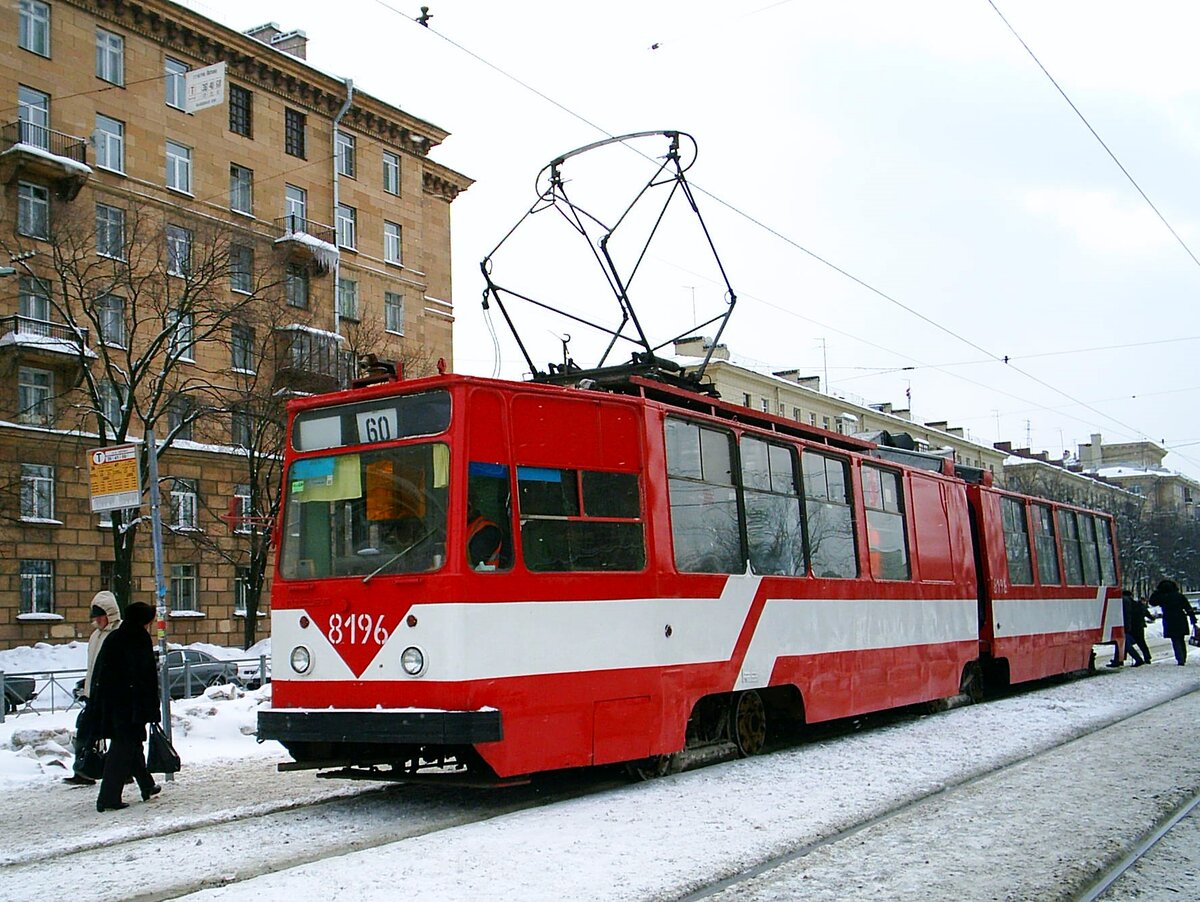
x: 175, y: 271
x: 1137, y: 467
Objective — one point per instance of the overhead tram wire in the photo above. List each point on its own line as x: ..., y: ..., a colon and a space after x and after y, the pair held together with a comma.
x: 1095, y: 135
x: 1132, y: 430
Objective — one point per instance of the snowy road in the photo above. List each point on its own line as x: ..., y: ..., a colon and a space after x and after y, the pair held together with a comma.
x: 1032, y: 830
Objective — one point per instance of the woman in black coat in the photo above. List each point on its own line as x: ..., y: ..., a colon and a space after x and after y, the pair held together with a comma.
x: 125, y: 694
x: 1176, y: 614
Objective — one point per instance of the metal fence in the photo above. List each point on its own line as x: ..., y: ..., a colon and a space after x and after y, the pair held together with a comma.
x: 47, y: 691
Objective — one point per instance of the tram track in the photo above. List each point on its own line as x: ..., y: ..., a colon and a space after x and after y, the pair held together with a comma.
x: 745, y: 883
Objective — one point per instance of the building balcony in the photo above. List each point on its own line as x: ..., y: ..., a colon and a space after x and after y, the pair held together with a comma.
x: 34, y: 151
x: 310, y: 361
x: 306, y: 241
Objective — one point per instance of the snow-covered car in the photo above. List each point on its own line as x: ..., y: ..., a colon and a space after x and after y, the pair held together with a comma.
x: 190, y: 672
x: 17, y: 691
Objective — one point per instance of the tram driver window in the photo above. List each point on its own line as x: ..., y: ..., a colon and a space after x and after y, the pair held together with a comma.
x: 882, y: 495
x: 704, y: 508
x: 489, y: 517
x: 579, y: 520
x: 829, y: 515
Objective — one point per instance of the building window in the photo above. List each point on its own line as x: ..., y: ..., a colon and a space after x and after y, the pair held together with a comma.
x: 110, y: 56
x: 110, y: 231
x: 391, y: 172
x: 391, y: 242
x: 293, y: 133
x: 182, y: 334
x: 37, y: 587
x: 746, y: 401
x: 179, y: 250
x: 108, y: 576
x: 393, y: 312
x: 179, y: 167
x: 35, y: 396
x: 240, y: 110
x: 796, y: 414
x: 110, y: 317
x: 110, y: 143
x: 241, y: 492
x: 347, y: 297
x: 347, y: 226
x: 241, y: 343
x: 295, y: 208
x: 183, y: 504
x: 241, y: 431
x: 345, y: 153
x: 33, y: 30
x: 175, y: 78
x: 112, y: 404
x: 37, y: 492
x: 33, y: 303
x: 241, y: 189
x: 33, y: 114
x: 181, y: 416
x: 296, y: 285
x: 764, y: 405
x: 183, y: 587
x: 241, y: 268
x: 241, y: 582
x: 33, y: 210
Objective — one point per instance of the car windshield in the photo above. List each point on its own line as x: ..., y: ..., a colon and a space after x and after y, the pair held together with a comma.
x: 366, y: 513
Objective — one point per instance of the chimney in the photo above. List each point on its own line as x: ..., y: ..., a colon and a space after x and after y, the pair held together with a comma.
x: 885, y: 407
x: 940, y: 425
x: 293, y: 43
x: 695, y: 346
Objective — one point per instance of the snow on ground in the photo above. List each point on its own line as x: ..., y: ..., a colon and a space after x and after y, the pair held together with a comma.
x: 37, y: 745
x: 658, y: 839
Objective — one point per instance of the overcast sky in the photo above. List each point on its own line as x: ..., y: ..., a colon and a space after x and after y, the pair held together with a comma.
x: 915, y: 146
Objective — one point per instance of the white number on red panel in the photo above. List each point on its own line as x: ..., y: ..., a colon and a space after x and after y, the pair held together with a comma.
x: 357, y: 630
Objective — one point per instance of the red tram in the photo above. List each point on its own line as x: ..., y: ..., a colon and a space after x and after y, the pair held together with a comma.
x: 659, y: 576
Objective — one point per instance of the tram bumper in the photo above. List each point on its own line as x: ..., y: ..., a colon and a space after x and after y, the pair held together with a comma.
x: 374, y: 725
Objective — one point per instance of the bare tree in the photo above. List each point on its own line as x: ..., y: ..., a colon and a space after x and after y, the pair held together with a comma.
x: 146, y: 293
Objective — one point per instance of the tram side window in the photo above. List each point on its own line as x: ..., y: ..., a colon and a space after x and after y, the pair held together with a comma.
x: 882, y: 494
x: 1047, y: 546
x: 1072, y: 557
x: 773, y: 524
x: 1108, y: 559
x: 489, y: 520
x: 704, y: 507
x: 1088, y: 550
x: 561, y: 534
x: 829, y: 515
x: 1016, y: 541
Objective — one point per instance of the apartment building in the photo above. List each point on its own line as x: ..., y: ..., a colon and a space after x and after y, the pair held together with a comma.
x: 172, y: 261
x: 1137, y: 467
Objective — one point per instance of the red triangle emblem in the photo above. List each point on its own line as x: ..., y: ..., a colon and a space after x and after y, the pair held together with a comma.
x: 357, y: 637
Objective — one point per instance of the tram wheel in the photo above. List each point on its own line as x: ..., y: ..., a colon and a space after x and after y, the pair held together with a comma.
x: 749, y: 723
x: 972, y: 682
x: 649, y: 768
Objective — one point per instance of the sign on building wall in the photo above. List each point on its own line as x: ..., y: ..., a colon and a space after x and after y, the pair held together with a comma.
x: 204, y: 88
x: 115, y: 477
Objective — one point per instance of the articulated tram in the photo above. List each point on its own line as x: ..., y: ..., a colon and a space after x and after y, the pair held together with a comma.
x: 660, y: 577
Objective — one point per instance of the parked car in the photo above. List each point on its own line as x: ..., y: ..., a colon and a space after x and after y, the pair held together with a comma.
x: 249, y: 673
x: 17, y: 691
x: 202, y: 668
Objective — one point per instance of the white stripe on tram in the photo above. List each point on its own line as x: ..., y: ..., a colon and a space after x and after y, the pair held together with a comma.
x: 1042, y: 616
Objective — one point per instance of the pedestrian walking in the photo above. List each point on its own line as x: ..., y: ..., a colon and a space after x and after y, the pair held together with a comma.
x: 125, y: 693
x: 1176, y: 612
x: 1135, y: 629
x: 106, y: 617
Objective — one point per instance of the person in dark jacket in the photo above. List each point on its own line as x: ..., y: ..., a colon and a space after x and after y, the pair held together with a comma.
x: 1135, y: 629
x: 1176, y: 612
x: 125, y: 694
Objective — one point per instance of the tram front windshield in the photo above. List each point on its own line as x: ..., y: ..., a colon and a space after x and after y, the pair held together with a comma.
x: 366, y: 513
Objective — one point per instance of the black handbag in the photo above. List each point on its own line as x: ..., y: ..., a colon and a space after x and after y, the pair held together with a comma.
x: 90, y: 760
x: 161, y: 757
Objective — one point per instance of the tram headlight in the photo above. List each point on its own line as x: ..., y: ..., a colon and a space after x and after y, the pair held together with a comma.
x: 301, y: 659
x: 412, y: 659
